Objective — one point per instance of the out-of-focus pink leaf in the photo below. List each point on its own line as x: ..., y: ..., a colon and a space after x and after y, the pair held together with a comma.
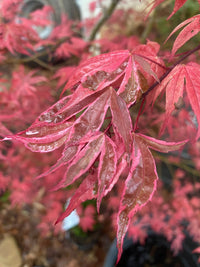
x: 87, y: 217
x: 25, y: 82
x: 63, y: 74
x: 17, y: 38
x: 84, y: 192
x: 196, y: 250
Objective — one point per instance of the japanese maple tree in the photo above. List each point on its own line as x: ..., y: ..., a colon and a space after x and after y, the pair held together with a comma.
x: 115, y: 110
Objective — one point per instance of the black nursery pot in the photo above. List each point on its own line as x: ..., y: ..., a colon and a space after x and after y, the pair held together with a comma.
x: 155, y: 252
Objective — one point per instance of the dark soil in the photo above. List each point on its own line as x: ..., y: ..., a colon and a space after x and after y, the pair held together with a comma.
x: 155, y: 253
x: 54, y: 250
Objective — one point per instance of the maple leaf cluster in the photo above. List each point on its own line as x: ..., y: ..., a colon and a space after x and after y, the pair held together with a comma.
x: 114, y: 109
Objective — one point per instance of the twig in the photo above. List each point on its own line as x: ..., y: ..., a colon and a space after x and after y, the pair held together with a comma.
x: 106, y: 15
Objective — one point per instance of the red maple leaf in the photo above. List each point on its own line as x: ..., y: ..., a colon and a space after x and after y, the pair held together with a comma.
x: 87, y: 220
x: 74, y: 46
x: 129, y: 68
x: 63, y: 74
x: 96, y: 150
x: 141, y: 181
x: 182, y: 76
x: 17, y: 38
x: 192, y: 27
x: 177, y: 5
x: 9, y: 8
x: 25, y: 82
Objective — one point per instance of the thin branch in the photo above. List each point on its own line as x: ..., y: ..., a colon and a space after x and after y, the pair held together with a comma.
x: 106, y: 15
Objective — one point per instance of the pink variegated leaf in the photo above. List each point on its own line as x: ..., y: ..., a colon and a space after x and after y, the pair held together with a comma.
x: 69, y: 153
x: 121, y: 119
x: 79, y: 100
x: 92, y: 119
x: 43, y: 137
x: 83, y: 128
x: 174, y: 83
x: 106, y: 169
x: 53, y: 114
x: 104, y: 70
x: 47, y: 147
x: 134, y: 83
x: 123, y: 218
x: 84, y: 192
x: 139, y: 187
x: 102, y: 66
x: 130, y: 86
x: 141, y: 182
x: 67, y: 156
x: 44, y: 132
x: 68, y: 106
x: 159, y: 145
x: 82, y: 161
x: 120, y: 168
